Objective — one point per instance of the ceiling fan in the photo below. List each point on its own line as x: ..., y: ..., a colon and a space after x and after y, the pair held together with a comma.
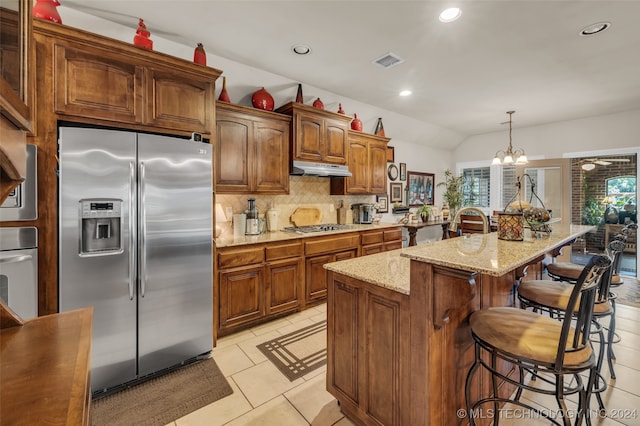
x: 590, y: 163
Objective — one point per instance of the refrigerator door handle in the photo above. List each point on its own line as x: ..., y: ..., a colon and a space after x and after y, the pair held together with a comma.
x: 15, y: 258
x: 143, y: 231
x: 132, y: 229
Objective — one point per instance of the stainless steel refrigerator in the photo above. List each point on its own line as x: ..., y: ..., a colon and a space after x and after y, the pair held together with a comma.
x: 135, y: 242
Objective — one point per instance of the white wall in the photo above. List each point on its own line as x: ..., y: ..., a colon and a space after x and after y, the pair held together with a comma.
x: 608, y: 132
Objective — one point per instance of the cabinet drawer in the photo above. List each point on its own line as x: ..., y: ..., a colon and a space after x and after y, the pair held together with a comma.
x: 393, y: 246
x: 371, y: 238
x: 282, y: 251
x: 393, y: 234
x: 333, y: 244
x: 231, y: 258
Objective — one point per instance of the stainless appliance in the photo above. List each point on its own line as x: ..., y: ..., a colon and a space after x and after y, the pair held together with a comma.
x: 323, y: 227
x: 362, y: 213
x: 19, y: 270
x: 306, y: 168
x: 21, y: 203
x: 136, y: 243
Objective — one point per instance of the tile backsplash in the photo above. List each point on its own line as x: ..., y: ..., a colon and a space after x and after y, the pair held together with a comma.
x: 304, y: 191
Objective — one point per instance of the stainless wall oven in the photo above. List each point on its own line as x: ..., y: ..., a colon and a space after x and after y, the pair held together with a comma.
x: 19, y: 270
x: 22, y: 202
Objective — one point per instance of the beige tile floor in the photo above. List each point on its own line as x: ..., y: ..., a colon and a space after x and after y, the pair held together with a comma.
x: 263, y: 396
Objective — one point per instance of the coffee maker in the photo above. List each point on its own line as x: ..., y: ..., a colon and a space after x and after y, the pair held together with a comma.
x: 362, y: 213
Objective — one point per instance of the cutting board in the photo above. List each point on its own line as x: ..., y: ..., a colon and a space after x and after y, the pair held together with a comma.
x: 305, y: 216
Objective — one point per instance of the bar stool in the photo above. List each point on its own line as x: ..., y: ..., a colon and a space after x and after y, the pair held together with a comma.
x: 553, y: 297
x: 568, y: 271
x: 538, y: 344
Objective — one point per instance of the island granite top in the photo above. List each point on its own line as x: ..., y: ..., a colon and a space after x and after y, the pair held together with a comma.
x: 482, y: 253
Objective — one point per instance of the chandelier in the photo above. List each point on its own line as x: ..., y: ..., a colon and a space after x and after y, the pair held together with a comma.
x: 508, y: 157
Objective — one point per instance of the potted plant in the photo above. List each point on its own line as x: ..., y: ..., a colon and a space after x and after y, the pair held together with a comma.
x: 453, y: 191
x: 424, y: 211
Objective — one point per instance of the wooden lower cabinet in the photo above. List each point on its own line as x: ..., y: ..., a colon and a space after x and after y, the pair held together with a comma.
x: 283, y: 286
x: 241, y: 296
x: 256, y: 283
x: 381, y: 240
x: 368, y: 351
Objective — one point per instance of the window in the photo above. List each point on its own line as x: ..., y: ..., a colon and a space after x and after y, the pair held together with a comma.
x: 509, y: 188
x: 477, y: 186
x: 621, y: 190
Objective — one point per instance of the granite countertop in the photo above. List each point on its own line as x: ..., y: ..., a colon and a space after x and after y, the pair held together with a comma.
x: 227, y: 239
x: 482, y: 253
x: 388, y: 269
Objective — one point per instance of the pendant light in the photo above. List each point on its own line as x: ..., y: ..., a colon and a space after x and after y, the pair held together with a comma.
x: 509, y: 157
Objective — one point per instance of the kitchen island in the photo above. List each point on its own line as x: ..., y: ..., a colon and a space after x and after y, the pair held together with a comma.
x: 399, y: 345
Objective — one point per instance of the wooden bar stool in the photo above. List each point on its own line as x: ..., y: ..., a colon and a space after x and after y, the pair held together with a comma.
x: 538, y: 344
x: 553, y: 297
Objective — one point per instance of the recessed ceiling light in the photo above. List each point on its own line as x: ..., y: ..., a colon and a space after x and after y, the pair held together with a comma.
x: 301, y: 49
x: 405, y: 93
x: 450, y: 15
x: 594, y: 28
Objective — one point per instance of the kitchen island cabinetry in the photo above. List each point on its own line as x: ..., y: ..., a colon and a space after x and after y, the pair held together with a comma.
x: 256, y: 283
x: 103, y: 79
x: 252, y: 150
x: 317, y: 135
x: 398, y: 325
x: 367, y: 161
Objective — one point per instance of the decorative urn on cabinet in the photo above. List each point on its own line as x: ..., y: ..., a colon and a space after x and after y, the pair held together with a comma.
x: 356, y: 124
x: 262, y: 99
x: 47, y: 10
x: 199, y: 55
x: 141, y: 39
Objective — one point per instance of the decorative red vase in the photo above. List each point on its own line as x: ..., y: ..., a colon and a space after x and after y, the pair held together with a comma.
x: 199, y: 55
x: 340, y: 110
x: 299, y: 97
x: 224, y: 96
x: 46, y: 9
x: 356, y: 124
x: 261, y: 99
x: 318, y: 104
x: 141, y: 39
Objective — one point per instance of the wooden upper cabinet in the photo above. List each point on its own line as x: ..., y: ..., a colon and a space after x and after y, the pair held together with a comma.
x: 367, y: 161
x: 16, y: 63
x: 252, y: 150
x: 98, y: 78
x: 179, y: 100
x: 96, y: 83
x: 317, y: 135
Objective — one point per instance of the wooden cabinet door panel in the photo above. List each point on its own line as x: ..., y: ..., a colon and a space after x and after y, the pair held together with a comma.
x: 335, y: 142
x: 345, y: 340
x: 378, y: 168
x: 179, y: 101
x: 358, y: 182
x: 97, y: 85
x: 271, y: 157
x: 308, y: 142
x: 232, y: 154
x: 316, y: 277
x: 283, y: 286
x: 241, y: 298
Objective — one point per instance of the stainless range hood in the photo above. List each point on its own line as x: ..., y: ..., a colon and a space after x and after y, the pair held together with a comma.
x: 305, y: 168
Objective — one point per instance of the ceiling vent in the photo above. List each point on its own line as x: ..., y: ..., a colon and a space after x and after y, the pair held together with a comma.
x: 388, y: 60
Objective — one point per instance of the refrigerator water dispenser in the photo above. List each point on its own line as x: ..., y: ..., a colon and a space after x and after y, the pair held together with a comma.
x: 101, y: 224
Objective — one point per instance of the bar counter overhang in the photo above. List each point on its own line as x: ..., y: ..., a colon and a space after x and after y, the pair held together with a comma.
x: 399, y: 346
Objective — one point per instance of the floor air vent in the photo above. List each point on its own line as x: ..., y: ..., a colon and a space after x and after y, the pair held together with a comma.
x: 388, y: 60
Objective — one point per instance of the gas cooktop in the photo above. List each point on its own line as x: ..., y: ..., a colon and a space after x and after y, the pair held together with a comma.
x: 323, y: 227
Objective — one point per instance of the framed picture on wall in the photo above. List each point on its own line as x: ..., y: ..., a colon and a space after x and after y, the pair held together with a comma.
x: 403, y: 171
x: 383, y: 202
x: 420, y: 188
x: 396, y: 193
